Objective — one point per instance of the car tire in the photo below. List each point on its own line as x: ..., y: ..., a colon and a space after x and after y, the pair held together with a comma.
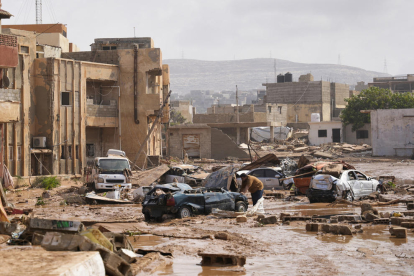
x: 184, y: 212
x: 287, y: 186
x: 147, y: 217
x: 349, y: 196
x: 241, y: 206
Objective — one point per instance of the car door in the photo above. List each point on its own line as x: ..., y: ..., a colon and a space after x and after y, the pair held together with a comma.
x: 365, y: 183
x: 261, y: 175
x: 272, y: 178
x: 354, y: 183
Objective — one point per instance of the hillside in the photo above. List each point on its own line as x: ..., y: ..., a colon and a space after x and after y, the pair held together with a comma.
x: 189, y: 74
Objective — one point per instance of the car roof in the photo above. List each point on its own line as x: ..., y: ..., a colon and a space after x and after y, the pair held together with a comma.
x: 174, y: 186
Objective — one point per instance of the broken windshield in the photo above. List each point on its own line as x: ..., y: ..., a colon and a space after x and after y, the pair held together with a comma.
x: 115, y: 165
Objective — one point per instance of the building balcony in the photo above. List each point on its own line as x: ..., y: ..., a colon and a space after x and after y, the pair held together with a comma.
x: 9, y: 53
x: 101, y: 115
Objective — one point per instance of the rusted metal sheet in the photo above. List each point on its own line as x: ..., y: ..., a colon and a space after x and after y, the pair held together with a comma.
x: 191, y: 145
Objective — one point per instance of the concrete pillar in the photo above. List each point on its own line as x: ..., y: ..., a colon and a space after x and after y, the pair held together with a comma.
x: 272, y: 134
x: 247, y: 135
x: 238, y: 136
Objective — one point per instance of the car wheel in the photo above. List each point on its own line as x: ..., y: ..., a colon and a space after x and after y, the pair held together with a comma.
x: 241, y: 206
x: 287, y: 186
x: 379, y: 190
x: 184, y: 212
x: 147, y: 217
x: 349, y: 196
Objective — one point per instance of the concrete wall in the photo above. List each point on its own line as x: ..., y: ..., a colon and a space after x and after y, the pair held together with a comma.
x: 392, y: 132
x: 314, y: 127
x: 302, y: 112
x: 96, y: 110
x: 175, y: 141
x: 53, y: 39
x: 123, y: 43
x: 222, y: 146
x: 230, y: 118
x: 351, y: 136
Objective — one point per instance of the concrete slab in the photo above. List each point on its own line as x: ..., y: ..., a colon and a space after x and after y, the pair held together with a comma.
x: 57, y: 263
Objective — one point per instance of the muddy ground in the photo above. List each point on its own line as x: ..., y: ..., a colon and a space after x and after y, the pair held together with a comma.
x: 270, y: 249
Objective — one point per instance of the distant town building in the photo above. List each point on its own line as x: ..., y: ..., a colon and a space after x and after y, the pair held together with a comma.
x: 399, y: 84
x: 185, y: 108
x: 306, y: 78
x: 361, y: 86
x: 298, y: 100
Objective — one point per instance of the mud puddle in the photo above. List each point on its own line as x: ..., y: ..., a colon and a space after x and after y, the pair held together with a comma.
x: 185, y: 265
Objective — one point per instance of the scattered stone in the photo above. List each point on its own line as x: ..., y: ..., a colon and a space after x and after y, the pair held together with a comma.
x: 222, y: 236
x: 385, y: 215
x: 358, y: 226
x: 267, y: 220
x: 241, y: 219
x: 350, y: 218
x: 128, y: 255
x: 322, y: 154
x: 407, y: 224
x: 336, y: 229
x: 45, y: 194
x: 373, y: 195
x: 222, y: 259
x: 82, y: 190
x: 313, y: 227
x: 369, y: 216
x: 300, y: 149
x: 333, y: 219
x: 410, y: 206
x: 398, y: 232
x: 382, y: 221
x: 283, y: 215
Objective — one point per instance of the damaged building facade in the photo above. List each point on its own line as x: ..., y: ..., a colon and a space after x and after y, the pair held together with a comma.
x: 74, y: 106
x: 296, y: 101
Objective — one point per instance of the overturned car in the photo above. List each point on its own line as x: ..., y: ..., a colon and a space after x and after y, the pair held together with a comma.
x: 182, y: 201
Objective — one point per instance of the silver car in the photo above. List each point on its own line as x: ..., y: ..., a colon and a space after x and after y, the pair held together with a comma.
x: 270, y: 178
x: 350, y: 184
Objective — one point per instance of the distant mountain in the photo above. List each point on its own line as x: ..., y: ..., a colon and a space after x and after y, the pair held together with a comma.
x: 190, y: 74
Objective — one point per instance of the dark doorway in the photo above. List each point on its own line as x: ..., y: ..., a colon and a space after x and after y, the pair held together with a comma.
x: 336, y: 135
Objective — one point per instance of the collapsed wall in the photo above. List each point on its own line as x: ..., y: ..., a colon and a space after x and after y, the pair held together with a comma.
x: 222, y: 146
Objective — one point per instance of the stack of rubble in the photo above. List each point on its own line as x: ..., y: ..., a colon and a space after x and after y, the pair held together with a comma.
x: 117, y: 254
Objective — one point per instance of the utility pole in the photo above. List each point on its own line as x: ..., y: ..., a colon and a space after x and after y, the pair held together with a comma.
x: 274, y: 67
x: 237, y: 104
x: 38, y: 11
x: 237, y: 116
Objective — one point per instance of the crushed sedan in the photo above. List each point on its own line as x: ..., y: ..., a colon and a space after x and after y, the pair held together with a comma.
x: 182, y: 201
x: 349, y: 184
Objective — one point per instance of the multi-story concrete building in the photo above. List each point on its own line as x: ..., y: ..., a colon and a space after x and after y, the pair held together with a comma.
x: 298, y: 100
x: 9, y: 98
x: 185, y: 108
x: 73, y: 108
x: 395, y: 84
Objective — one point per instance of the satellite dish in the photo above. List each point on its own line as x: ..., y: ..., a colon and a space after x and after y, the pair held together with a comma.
x: 6, y: 82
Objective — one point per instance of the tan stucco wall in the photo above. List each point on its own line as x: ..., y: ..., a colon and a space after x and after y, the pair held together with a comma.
x: 9, y: 112
x: 175, y: 141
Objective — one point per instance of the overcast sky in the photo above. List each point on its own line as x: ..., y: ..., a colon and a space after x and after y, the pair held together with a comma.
x: 363, y: 32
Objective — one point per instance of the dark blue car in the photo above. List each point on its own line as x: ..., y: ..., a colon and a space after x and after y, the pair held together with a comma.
x: 183, y: 201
